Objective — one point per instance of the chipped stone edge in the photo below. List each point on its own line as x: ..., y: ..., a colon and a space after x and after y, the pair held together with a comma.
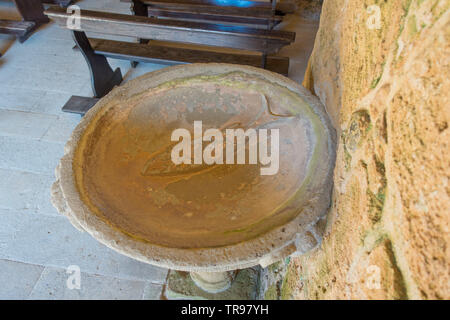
x: 270, y: 247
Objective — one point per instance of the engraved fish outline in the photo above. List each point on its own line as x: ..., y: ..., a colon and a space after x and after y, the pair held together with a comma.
x: 161, y: 158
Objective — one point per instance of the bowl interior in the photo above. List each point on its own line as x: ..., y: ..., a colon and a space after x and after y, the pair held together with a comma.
x: 125, y: 172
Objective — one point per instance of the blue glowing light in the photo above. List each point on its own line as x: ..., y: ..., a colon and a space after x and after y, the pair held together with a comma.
x: 234, y: 3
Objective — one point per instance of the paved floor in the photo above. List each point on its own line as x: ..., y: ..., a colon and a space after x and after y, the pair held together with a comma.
x: 40, y: 251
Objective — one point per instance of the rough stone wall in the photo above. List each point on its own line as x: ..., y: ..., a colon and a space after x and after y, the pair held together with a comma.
x: 308, y: 9
x: 387, y: 90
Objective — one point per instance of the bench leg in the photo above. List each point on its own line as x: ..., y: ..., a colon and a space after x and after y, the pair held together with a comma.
x: 264, y: 56
x: 271, y: 21
x: 264, y: 60
x: 79, y: 105
x: 139, y: 9
x: 31, y: 10
x: 102, y: 76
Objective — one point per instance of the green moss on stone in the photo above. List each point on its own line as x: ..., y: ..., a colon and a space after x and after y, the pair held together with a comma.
x: 286, y: 288
x: 412, y: 25
x: 271, y: 293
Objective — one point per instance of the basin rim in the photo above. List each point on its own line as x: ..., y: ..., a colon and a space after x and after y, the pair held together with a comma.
x: 271, y: 246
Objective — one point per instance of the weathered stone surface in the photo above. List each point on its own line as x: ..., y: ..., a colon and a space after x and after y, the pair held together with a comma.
x: 25, y: 124
x: 308, y: 9
x: 152, y: 291
x: 386, y: 90
x: 24, y: 154
x: 26, y: 192
x: 18, y: 279
x: 37, y: 239
x: 52, y: 285
x: 181, y: 286
x: 117, y: 181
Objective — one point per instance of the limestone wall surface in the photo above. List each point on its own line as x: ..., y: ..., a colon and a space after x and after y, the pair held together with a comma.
x: 382, y: 69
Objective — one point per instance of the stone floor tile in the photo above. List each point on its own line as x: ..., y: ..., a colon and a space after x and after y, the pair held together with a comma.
x: 152, y: 291
x: 61, y: 129
x: 17, y: 279
x: 53, y: 284
x: 23, y: 154
x: 53, y: 241
x: 12, y: 99
x: 24, y: 124
x: 26, y: 191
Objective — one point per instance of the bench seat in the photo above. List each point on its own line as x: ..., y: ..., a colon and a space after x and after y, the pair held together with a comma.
x: 170, y: 55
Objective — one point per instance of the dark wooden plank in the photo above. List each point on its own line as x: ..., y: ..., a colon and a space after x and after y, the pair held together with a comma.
x: 237, y: 37
x: 139, y: 9
x: 31, y: 10
x: 176, y: 55
x: 79, y: 105
x: 61, y: 15
x: 247, y: 4
x: 259, y: 12
x: 218, y: 13
x: 281, y: 8
x: 62, y: 3
x: 16, y: 28
x: 214, y: 14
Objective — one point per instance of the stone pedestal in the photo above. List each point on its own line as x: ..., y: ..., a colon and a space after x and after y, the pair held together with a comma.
x: 234, y: 285
x: 213, y: 282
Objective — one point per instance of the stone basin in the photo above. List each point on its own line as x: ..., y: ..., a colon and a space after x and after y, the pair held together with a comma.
x: 117, y: 182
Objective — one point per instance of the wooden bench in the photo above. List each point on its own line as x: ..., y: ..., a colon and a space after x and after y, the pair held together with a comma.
x: 32, y: 13
x: 33, y: 16
x: 245, y: 12
x: 235, y: 12
x: 61, y: 3
x: 19, y: 29
x: 104, y: 78
x: 238, y: 11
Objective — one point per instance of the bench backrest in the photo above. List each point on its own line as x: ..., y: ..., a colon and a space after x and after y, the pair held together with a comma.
x: 267, y: 41
x: 242, y: 3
